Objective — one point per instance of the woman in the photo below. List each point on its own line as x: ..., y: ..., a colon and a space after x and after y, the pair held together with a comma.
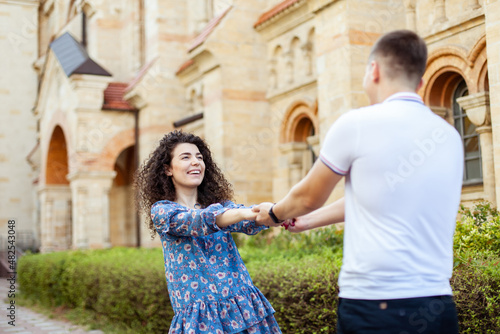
x: 191, y: 209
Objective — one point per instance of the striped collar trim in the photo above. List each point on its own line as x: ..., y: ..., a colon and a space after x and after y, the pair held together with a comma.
x: 405, y: 96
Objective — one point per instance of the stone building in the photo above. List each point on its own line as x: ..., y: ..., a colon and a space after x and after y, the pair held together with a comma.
x: 261, y: 81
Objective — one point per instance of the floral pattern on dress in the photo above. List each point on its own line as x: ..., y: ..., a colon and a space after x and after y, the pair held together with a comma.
x: 209, y: 286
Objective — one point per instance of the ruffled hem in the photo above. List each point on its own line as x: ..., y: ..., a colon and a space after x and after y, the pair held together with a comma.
x: 230, y: 315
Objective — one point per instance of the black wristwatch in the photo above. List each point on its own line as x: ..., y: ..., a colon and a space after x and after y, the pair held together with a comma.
x: 273, y: 216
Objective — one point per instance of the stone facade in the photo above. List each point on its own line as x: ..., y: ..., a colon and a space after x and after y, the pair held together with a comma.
x: 18, y: 127
x: 262, y: 81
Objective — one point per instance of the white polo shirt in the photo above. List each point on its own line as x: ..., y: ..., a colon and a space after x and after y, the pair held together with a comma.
x: 404, y: 167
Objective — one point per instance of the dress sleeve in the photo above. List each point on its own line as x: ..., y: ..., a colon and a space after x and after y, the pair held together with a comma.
x: 171, y: 219
x: 249, y: 227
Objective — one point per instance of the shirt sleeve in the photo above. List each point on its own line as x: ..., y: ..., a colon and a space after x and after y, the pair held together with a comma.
x: 340, y: 145
x: 249, y: 227
x: 176, y: 220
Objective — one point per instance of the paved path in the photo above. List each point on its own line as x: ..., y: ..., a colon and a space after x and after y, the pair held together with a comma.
x: 29, y: 322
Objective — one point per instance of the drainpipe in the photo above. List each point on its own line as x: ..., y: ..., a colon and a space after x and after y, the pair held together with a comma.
x: 136, y: 165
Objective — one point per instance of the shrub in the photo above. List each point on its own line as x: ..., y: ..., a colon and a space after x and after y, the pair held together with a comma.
x: 476, y: 276
x: 476, y: 287
x: 478, y: 229
x: 296, y: 272
x: 303, y: 291
x: 125, y: 286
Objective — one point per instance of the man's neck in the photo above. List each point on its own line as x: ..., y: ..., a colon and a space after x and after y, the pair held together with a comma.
x: 385, y: 92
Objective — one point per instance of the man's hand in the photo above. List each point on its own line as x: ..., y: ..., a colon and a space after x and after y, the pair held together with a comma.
x: 263, y: 215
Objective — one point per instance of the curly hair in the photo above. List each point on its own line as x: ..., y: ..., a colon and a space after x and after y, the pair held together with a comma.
x: 152, y: 183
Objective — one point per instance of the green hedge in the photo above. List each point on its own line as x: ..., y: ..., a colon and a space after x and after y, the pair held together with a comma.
x: 126, y: 286
x: 297, y: 273
x: 476, y: 276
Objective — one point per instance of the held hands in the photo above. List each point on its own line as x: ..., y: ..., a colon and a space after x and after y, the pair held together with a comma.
x: 263, y: 218
x: 250, y: 213
x: 263, y: 214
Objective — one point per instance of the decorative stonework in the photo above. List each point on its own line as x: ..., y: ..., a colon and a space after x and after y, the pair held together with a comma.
x: 292, y: 62
x: 477, y: 107
x: 251, y: 77
x: 440, y: 11
x: 410, y: 15
x: 90, y: 193
x: 89, y: 90
x: 473, y: 5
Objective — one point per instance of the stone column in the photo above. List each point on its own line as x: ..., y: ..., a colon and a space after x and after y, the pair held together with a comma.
x: 90, y: 190
x: 294, y: 153
x: 439, y: 11
x: 307, y: 52
x: 289, y: 66
x: 492, y: 25
x: 444, y: 112
x: 273, y: 74
x: 89, y: 90
x: 473, y: 4
x: 411, y: 21
x: 477, y: 107
x: 313, y: 141
x: 55, y: 218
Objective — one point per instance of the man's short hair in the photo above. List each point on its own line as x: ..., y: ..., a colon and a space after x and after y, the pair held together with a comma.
x: 404, y: 54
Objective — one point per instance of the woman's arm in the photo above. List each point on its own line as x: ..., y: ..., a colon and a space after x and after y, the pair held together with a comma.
x: 176, y: 220
x: 233, y: 216
x: 327, y: 215
x: 248, y: 225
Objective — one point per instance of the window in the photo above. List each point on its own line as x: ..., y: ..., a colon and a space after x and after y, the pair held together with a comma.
x: 470, y: 138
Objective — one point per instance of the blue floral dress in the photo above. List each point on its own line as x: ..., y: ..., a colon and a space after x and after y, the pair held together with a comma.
x: 209, y: 286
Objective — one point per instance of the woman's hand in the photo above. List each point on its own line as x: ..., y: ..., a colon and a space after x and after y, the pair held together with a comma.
x: 250, y: 214
x: 296, y: 225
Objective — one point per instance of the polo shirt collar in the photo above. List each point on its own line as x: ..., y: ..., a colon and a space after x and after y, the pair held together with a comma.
x: 405, y: 96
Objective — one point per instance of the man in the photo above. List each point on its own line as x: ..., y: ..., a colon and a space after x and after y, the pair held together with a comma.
x: 403, y: 167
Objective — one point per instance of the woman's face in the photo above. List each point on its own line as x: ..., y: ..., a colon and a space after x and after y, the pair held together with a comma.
x: 187, y: 167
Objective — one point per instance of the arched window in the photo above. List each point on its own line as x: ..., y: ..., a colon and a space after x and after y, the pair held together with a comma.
x: 304, y: 130
x: 470, y: 138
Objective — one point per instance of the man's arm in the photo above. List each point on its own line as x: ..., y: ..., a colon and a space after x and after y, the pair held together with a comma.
x: 327, y: 215
x: 306, y: 196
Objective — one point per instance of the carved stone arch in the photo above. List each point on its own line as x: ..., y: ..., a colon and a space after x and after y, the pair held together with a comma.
x: 114, y: 147
x: 293, y: 60
x: 294, y: 43
x: 122, y: 220
x: 308, y: 51
x: 479, y: 59
x: 445, y: 68
x: 477, y: 49
x: 295, y: 122
x: 277, y: 51
x: 58, y: 120
x: 299, y: 142
x: 483, y: 83
x: 275, y: 64
x: 54, y: 194
x: 57, y: 162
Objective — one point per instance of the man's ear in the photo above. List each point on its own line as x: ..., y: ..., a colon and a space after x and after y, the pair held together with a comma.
x: 375, y: 71
x: 420, y: 84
